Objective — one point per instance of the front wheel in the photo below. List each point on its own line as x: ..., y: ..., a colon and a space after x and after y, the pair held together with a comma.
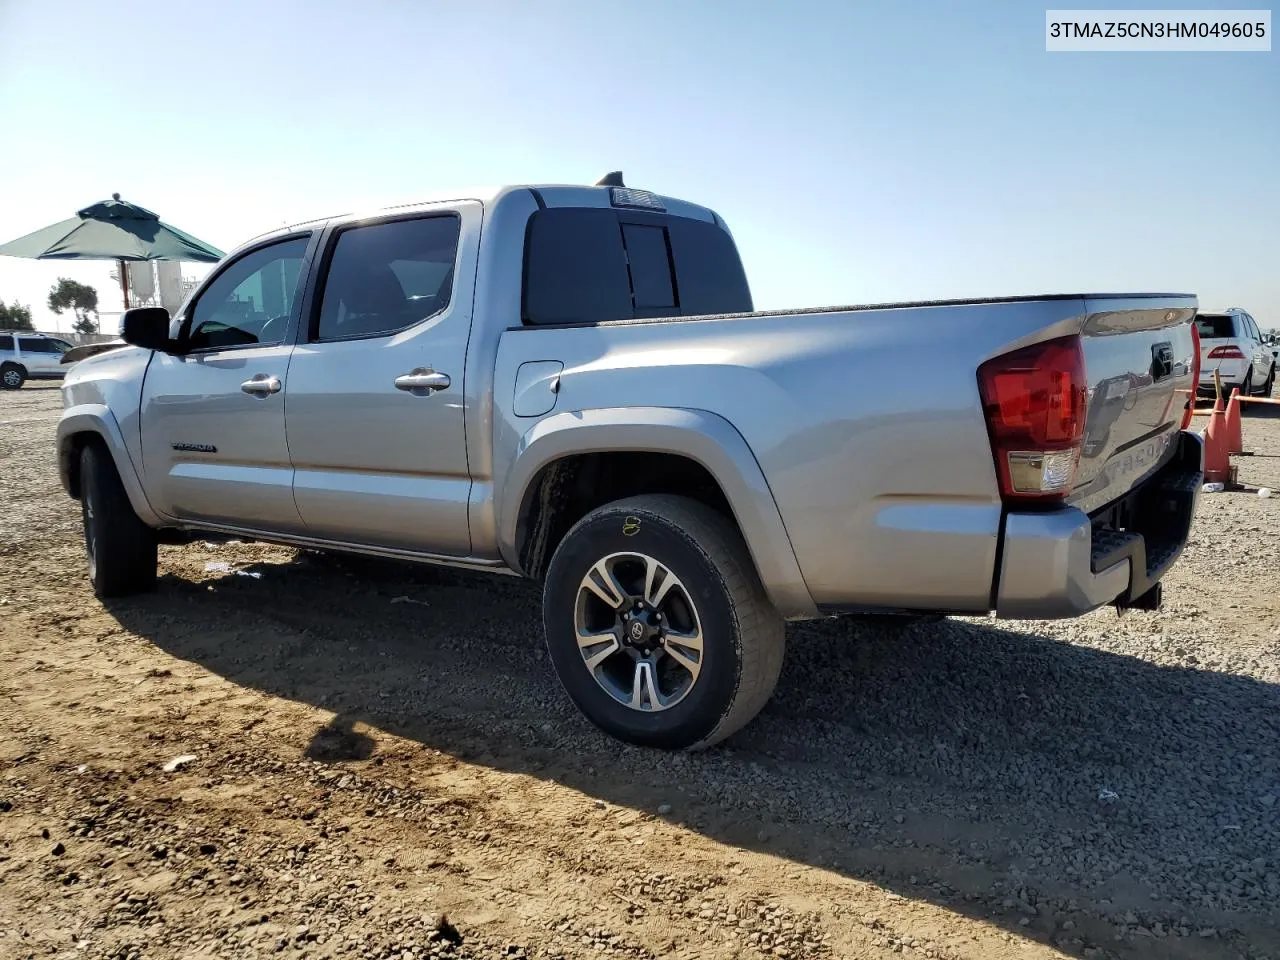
x: 12, y: 376
x: 657, y: 624
x: 120, y: 548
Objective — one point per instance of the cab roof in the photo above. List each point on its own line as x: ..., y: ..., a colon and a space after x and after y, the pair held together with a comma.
x: 602, y: 194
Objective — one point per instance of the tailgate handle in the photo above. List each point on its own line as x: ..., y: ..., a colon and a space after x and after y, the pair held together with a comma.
x: 1161, y: 361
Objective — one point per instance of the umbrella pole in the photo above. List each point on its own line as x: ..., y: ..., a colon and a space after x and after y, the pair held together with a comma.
x: 124, y: 282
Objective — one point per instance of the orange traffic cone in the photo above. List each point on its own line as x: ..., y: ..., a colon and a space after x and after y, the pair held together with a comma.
x: 1217, y: 459
x: 1235, y: 437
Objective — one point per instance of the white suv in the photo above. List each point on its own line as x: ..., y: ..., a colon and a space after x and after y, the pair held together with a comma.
x: 30, y: 356
x: 1232, y: 344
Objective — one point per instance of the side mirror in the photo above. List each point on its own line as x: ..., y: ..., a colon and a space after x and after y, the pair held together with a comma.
x: 147, y: 327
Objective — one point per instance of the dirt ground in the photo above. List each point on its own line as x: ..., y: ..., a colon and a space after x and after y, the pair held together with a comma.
x: 383, y: 765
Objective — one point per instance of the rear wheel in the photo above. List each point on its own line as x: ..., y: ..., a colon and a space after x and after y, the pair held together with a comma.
x: 1271, y: 380
x: 12, y: 376
x: 657, y: 624
x: 120, y: 548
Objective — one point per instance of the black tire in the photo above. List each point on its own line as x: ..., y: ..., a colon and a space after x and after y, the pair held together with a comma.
x: 1271, y: 381
x: 743, y: 637
x: 12, y: 377
x: 121, y: 549
x: 1246, y: 388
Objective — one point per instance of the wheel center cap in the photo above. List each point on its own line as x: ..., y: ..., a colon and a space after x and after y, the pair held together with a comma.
x: 640, y: 629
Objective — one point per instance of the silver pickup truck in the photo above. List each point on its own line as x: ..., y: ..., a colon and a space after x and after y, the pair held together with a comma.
x: 568, y: 383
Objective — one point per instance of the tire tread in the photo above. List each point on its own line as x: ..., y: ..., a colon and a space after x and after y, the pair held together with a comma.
x: 126, y: 548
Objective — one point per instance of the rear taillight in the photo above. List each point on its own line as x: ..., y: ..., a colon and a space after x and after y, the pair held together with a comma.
x: 1226, y: 353
x: 1034, y: 400
x: 1195, y: 377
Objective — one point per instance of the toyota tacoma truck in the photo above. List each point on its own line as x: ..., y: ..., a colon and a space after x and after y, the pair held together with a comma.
x: 570, y: 384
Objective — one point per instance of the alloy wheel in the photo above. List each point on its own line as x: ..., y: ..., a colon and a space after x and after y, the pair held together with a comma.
x: 638, y: 631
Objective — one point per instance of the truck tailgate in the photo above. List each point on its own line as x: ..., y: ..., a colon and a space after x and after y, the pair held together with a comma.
x: 1140, y: 363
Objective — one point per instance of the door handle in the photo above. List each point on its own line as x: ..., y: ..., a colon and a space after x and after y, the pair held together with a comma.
x: 422, y: 381
x: 262, y: 385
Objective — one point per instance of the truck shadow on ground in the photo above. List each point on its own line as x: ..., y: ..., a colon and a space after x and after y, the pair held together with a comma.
x: 986, y: 770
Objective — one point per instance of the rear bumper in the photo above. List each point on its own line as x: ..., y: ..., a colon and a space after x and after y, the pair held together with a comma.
x: 1065, y: 562
x: 1232, y: 373
x: 1207, y: 389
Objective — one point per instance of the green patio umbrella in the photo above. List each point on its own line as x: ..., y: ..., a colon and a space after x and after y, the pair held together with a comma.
x: 112, y: 230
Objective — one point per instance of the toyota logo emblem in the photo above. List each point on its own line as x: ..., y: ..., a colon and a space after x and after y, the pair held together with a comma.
x: 637, y: 630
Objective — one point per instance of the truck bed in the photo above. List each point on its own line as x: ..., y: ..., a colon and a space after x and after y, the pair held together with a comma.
x: 885, y: 397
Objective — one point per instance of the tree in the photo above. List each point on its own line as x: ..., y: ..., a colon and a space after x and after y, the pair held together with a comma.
x: 15, y: 317
x: 79, y: 298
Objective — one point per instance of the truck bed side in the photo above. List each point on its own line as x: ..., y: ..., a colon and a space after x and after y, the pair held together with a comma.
x: 868, y: 424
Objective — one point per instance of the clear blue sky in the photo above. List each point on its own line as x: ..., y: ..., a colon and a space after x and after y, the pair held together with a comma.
x: 860, y: 152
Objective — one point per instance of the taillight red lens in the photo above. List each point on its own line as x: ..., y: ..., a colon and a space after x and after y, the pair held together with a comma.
x: 1195, y: 376
x: 1034, y: 400
x: 1226, y: 353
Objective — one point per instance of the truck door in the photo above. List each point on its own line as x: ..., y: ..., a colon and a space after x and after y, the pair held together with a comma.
x: 213, y: 442
x: 374, y: 402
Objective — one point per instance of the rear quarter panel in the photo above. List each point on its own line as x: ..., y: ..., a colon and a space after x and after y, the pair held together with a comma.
x: 883, y: 478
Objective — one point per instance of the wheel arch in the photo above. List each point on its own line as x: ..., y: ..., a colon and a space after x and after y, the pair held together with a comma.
x: 94, y: 423
x: 692, y: 452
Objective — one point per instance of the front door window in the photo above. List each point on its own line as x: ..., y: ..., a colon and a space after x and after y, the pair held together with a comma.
x: 249, y: 303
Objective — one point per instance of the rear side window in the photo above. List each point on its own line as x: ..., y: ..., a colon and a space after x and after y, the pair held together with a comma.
x: 1215, y: 326
x: 385, y: 277
x: 6, y: 343
x: 586, y: 265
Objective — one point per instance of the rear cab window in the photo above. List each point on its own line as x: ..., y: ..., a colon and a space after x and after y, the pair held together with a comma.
x: 1215, y: 326
x: 589, y: 265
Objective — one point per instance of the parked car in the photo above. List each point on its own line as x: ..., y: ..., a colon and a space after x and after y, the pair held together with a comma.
x: 1232, y: 344
x: 30, y: 356
x: 569, y: 383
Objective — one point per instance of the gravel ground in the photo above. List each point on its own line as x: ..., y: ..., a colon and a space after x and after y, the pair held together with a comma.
x: 383, y: 765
